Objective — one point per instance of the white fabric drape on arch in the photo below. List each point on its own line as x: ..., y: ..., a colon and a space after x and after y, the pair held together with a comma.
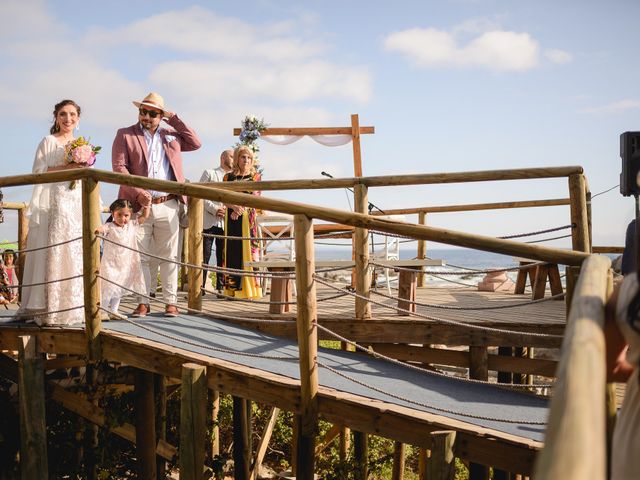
x: 326, y: 140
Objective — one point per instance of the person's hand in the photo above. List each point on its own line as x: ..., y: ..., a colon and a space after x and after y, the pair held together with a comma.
x: 220, y: 212
x: 144, y: 198
x: 100, y: 229
x: 168, y: 115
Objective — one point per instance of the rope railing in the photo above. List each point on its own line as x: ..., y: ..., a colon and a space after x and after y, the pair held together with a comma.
x: 538, y: 232
x: 444, y: 321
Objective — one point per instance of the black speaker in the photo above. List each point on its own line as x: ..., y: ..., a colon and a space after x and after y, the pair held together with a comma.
x: 630, y: 153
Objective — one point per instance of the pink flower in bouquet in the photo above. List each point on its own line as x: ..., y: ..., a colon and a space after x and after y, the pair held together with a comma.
x: 83, y: 154
x: 81, y: 151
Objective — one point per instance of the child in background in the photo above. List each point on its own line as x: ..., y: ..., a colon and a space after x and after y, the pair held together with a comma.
x: 119, y: 264
x: 9, y: 257
x: 5, y: 291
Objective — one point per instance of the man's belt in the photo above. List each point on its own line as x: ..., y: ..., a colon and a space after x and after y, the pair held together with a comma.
x: 165, y: 198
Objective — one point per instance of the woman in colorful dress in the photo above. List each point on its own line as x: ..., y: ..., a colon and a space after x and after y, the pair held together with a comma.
x: 241, y: 221
x: 54, y: 218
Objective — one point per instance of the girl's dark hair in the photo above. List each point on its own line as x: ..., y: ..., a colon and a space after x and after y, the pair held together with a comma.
x: 120, y: 203
x: 8, y: 251
x: 55, y: 128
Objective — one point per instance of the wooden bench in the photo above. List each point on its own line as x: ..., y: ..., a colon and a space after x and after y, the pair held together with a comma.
x: 282, y: 291
x: 538, y: 276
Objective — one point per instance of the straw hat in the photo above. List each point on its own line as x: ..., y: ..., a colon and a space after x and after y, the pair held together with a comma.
x: 152, y: 100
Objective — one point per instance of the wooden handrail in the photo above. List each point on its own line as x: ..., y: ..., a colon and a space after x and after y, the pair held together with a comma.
x: 441, y: 235
x: 475, y: 206
x: 575, y: 443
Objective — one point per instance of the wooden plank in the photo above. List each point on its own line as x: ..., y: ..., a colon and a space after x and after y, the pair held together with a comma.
x: 475, y: 206
x: 301, y: 131
x: 427, y: 262
x: 241, y: 440
x: 576, y: 437
x: 264, y: 442
x: 422, y: 248
x: 307, y: 346
x: 607, y: 249
x: 33, y: 426
x: 193, y: 424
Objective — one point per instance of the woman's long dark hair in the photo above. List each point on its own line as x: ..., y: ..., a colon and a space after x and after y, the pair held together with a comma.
x: 55, y: 128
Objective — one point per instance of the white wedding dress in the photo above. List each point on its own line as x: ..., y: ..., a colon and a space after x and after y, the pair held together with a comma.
x: 55, y: 216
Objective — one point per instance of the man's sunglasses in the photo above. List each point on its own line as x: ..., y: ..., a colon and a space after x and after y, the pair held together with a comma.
x: 151, y: 113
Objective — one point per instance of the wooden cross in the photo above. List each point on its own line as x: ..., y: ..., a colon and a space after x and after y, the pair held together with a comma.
x: 355, y: 130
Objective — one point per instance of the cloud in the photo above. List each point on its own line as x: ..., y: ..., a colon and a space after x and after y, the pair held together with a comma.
x: 201, y: 31
x: 496, y: 50
x: 613, y: 108
x: 558, y: 56
x: 293, y: 82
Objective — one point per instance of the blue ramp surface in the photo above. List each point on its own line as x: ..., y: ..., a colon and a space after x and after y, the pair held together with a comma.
x: 484, y: 405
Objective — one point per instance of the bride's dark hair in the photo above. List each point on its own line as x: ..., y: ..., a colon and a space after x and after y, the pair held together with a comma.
x: 55, y: 128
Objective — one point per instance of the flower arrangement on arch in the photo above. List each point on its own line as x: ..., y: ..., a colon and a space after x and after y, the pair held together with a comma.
x: 82, y: 152
x: 251, y: 129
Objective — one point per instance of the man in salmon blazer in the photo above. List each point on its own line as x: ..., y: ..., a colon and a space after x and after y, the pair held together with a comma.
x: 149, y: 150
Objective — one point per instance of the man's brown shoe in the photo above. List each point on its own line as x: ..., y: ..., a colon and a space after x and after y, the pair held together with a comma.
x: 141, y: 310
x: 171, y: 311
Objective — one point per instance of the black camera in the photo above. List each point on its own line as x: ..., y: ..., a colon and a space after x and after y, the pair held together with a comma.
x: 630, y: 153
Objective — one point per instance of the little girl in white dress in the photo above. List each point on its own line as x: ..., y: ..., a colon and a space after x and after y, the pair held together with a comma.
x: 121, y: 265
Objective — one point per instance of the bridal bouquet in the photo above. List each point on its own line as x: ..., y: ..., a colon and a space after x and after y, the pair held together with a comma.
x: 81, y: 151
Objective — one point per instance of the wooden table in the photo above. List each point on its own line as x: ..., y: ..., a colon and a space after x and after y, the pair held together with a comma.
x: 538, y: 276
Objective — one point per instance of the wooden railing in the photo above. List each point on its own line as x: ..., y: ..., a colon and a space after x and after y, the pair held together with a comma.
x: 304, y: 214
x: 575, y: 443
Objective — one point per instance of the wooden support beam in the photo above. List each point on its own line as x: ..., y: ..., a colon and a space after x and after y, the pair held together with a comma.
x: 23, y: 230
x: 361, y: 248
x: 91, y: 265
x: 193, y: 423
x: 307, y: 345
x: 397, y: 472
x: 241, y: 441
x: 361, y: 455
x: 160, y: 385
x: 579, y: 213
x: 195, y: 253
x: 264, y: 442
x: 441, y: 464
x: 422, y: 248
x: 33, y: 426
x: 478, y: 370
x: 145, y: 425
x: 214, y: 402
x: 357, y: 153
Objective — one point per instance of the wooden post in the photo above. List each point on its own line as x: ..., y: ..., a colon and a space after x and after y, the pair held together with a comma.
x: 145, y: 425
x: 361, y: 246
x: 478, y: 370
x: 23, y: 230
x: 195, y: 213
x: 398, y: 461
x: 160, y: 386
x: 422, y: 248
x: 441, y: 464
x: 579, y: 214
x: 611, y: 402
x: 91, y: 265
x: 215, y: 434
x: 357, y: 153
x: 361, y: 455
x: 193, y: 421
x: 571, y: 274
x: 184, y: 257
x: 241, y: 442
x: 307, y: 345
x: 33, y: 427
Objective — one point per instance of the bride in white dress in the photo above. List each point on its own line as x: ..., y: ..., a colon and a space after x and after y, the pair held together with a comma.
x: 55, y: 216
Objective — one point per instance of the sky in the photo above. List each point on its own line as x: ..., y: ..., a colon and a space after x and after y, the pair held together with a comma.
x: 457, y: 85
